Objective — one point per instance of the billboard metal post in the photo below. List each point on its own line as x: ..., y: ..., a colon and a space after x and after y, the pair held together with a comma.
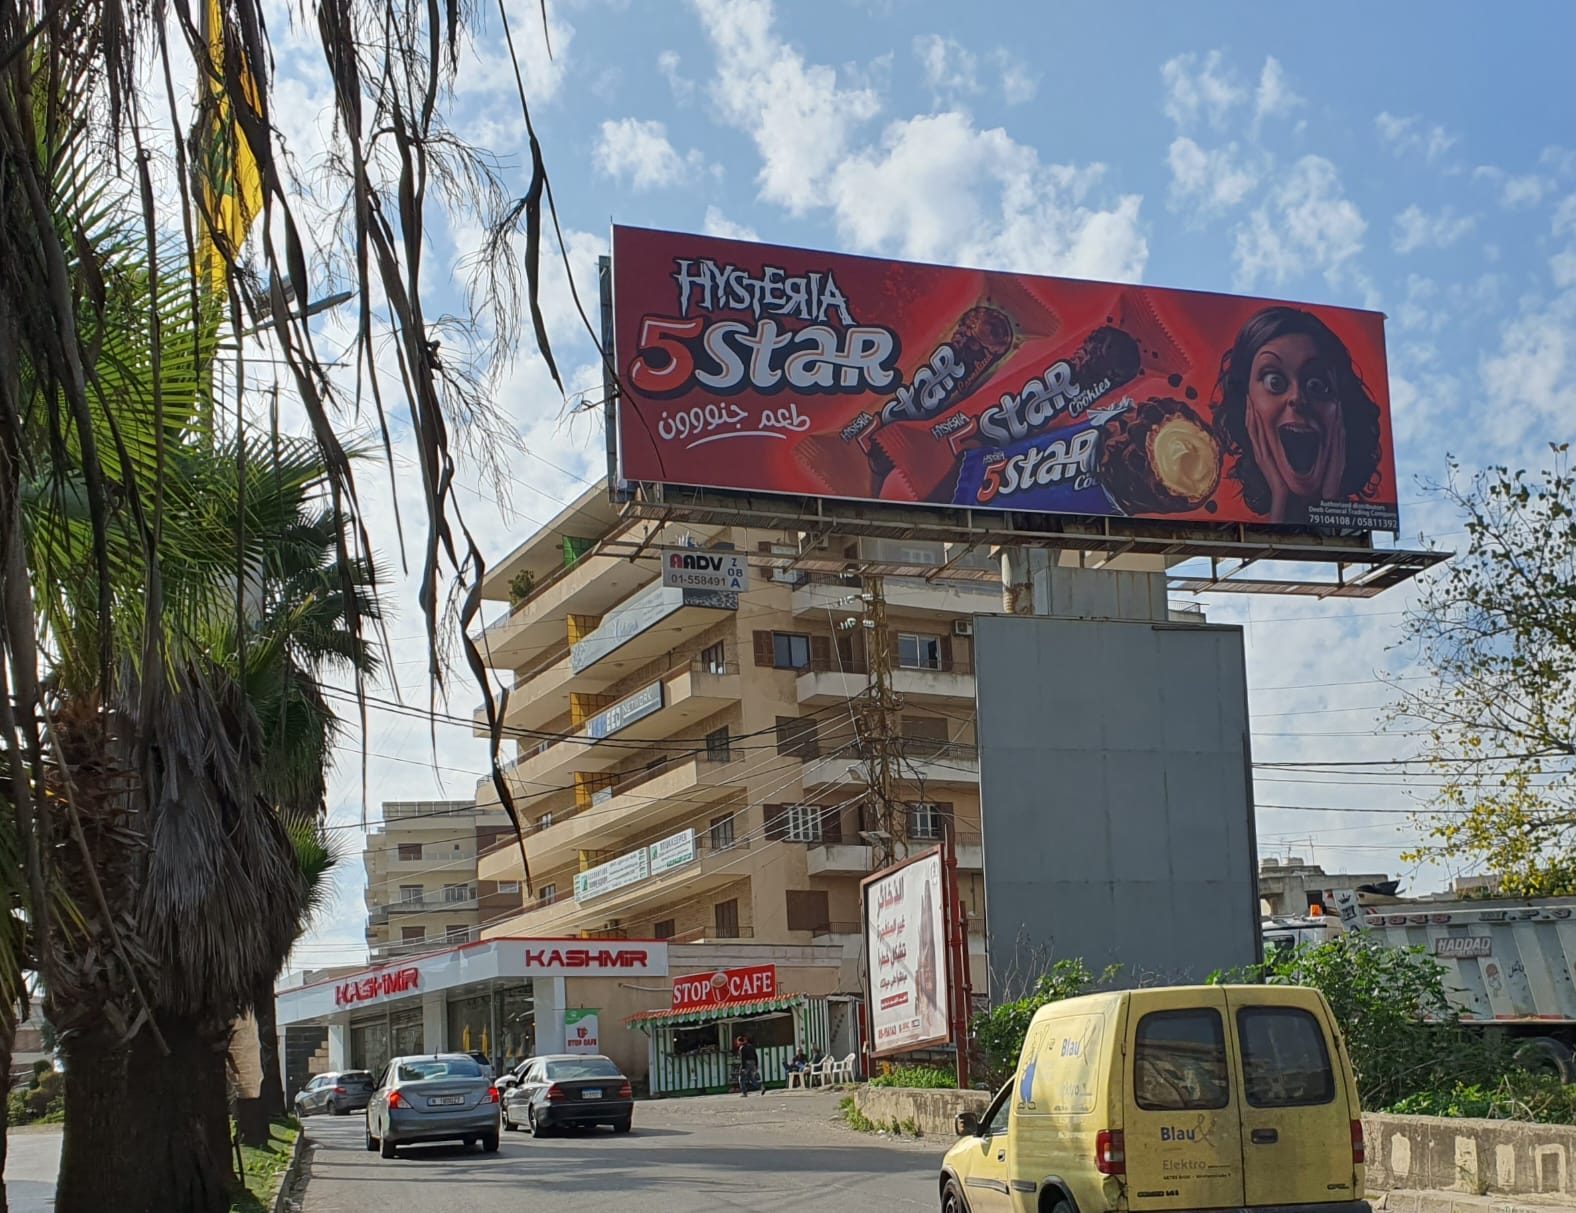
x: 960, y: 989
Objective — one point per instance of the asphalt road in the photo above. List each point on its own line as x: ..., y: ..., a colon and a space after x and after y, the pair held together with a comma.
x: 776, y: 1152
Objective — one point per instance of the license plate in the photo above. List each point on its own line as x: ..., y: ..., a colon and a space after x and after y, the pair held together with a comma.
x: 592, y: 1093
x: 445, y: 1101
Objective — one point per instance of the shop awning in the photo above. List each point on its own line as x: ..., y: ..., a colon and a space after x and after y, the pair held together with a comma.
x: 726, y: 1010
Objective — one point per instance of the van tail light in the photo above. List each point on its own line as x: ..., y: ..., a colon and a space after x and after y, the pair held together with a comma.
x: 396, y: 1100
x: 339, y: 1090
x: 1110, y: 1152
x: 556, y: 1093
x: 1359, y: 1150
x: 626, y: 1091
x: 492, y: 1094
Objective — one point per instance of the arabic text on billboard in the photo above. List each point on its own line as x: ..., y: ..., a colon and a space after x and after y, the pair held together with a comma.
x: 776, y: 370
x: 905, y: 932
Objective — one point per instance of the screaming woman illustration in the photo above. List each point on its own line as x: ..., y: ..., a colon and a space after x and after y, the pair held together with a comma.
x: 1293, y: 412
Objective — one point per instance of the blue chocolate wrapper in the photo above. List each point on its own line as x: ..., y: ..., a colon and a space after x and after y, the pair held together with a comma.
x: 1053, y: 472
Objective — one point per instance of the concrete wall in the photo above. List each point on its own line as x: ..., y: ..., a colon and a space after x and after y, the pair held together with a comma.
x: 932, y: 1111
x: 1498, y: 1157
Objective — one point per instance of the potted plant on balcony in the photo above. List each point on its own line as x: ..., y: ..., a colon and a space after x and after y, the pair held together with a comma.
x: 520, y: 587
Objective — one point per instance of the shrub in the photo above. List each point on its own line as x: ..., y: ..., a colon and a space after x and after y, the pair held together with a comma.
x: 999, y: 1032
x: 1517, y: 1096
x: 929, y: 1077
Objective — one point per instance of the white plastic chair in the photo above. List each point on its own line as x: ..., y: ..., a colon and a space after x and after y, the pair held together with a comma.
x: 803, y: 1079
x: 840, y: 1071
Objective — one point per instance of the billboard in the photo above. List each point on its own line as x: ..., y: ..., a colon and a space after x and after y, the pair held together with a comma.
x: 764, y: 369
x: 1115, y: 798
x: 699, y: 991
x: 906, y: 951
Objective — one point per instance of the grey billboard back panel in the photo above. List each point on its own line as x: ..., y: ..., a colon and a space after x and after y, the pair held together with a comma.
x: 1115, y: 797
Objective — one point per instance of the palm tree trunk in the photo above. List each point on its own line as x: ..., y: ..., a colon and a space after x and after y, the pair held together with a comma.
x: 98, y: 1167
x: 254, y: 1116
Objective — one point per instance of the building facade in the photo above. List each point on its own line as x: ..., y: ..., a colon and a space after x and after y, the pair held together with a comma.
x: 689, y: 766
x: 423, y: 891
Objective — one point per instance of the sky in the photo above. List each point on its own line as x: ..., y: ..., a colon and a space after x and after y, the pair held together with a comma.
x: 1360, y: 157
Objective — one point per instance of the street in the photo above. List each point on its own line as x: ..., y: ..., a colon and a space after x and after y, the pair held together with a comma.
x: 716, y: 1152
x: 31, y: 1163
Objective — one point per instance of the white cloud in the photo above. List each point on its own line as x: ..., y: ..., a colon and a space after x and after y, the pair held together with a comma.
x: 718, y: 224
x: 801, y: 120
x: 1216, y: 179
x: 1411, y: 136
x: 1306, y: 224
x: 639, y: 151
x: 1562, y: 265
x: 1514, y: 193
x: 1018, y: 85
x: 1274, y: 97
x: 491, y: 70
x: 1416, y: 229
x: 1199, y: 89
x: 683, y: 87
x: 938, y: 189
x: 951, y: 70
x: 1531, y: 379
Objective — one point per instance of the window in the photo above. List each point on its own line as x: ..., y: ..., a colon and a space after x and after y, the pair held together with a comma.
x: 790, y: 651
x: 456, y: 892
x: 714, y: 658
x: 666, y: 929
x: 410, y: 893
x: 508, y: 886
x: 1180, y: 1062
x: 994, y: 1122
x: 808, y: 910
x: 545, y: 820
x: 581, y: 1067
x: 448, y: 1067
x: 547, y: 894
x: 804, y: 823
x: 409, y: 851
x: 918, y: 652
x: 725, y: 916
x: 412, y: 934
x: 721, y: 832
x: 797, y: 737
x: 924, y: 821
x: 1285, y: 1063
x: 923, y: 736
x: 717, y: 745
x: 456, y: 934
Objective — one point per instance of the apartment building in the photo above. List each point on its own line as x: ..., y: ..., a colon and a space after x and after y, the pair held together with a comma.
x: 688, y: 765
x: 423, y: 891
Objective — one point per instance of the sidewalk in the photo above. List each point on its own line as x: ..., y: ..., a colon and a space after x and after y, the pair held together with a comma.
x: 1406, y: 1201
x: 32, y: 1160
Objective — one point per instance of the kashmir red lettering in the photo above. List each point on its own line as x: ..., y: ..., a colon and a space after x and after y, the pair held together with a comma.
x: 587, y: 958
x: 378, y: 985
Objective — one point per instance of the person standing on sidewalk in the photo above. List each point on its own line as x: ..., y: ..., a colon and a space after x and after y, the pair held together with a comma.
x: 749, y: 1065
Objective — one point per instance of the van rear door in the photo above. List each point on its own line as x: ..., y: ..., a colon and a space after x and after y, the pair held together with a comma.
x: 1181, y: 1128
x: 1296, y: 1112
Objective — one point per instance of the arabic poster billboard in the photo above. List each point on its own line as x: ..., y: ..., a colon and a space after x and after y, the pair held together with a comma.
x: 758, y: 368
x: 906, y: 951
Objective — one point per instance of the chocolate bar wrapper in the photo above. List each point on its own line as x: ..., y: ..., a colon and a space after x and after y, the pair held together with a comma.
x: 1053, y: 472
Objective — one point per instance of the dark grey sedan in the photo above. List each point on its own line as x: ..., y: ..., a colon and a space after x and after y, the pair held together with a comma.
x: 338, y: 1094
x: 564, y: 1090
x: 433, y: 1097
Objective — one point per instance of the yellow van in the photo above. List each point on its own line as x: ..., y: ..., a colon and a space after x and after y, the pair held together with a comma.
x: 1180, y: 1097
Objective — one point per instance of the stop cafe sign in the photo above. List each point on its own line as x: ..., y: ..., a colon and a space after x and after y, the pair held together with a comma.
x: 697, y: 991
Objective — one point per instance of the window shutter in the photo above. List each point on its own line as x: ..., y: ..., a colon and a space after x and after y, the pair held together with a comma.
x: 765, y: 654
x: 821, y: 653
x: 944, y: 812
x: 946, y: 651
x: 808, y: 910
x: 832, y: 824
x: 776, y: 822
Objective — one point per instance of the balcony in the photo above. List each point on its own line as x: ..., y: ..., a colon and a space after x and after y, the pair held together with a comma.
x: 845, y: 935
x: 688, y: 695
x: 838, y: 682
x: 955, y: 599
x: 854, y: 859
x: 432, y: 905
x: 638, y: 805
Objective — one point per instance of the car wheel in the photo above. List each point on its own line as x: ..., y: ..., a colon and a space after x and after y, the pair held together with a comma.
x: 625, y: 1125
x: 339, y: 1109
x: 952, y: 1199
x: 386, y: 1148
x: 490, y: 1143
x: 372, y: 1142
x: 538, y: 1129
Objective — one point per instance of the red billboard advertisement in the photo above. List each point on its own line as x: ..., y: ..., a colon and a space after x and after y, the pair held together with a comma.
x: 774, y: 370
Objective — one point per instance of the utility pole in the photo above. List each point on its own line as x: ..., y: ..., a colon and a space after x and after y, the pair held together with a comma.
x: 879, y: 717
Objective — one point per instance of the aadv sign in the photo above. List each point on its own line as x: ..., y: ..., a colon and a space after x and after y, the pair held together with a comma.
x: 700, y: 569
x: 697, y: 991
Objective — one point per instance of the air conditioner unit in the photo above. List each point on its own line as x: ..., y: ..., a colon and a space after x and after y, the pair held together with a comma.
x: 963, y: 627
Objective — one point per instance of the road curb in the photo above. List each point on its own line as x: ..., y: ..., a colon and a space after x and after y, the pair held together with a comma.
x: 285, y: 1198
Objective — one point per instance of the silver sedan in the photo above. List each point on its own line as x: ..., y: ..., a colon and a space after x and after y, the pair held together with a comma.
x: 433, y: 1097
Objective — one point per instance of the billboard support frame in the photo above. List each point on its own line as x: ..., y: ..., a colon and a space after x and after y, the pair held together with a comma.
x: 960, y: 991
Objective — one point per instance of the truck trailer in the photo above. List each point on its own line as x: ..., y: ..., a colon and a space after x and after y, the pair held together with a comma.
x: 1508, y: 961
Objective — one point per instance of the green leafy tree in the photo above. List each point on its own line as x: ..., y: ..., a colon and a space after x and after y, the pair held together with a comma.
x: 1497, y: 630
x: 999, y: 1032
x: 1403, y: 1035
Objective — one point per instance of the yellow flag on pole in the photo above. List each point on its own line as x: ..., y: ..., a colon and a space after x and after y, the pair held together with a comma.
x: 229, y: 185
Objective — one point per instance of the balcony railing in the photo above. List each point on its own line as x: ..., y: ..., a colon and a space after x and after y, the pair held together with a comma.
x: 423, y: 905
x: 859, y: 664
x: 706, y: 934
